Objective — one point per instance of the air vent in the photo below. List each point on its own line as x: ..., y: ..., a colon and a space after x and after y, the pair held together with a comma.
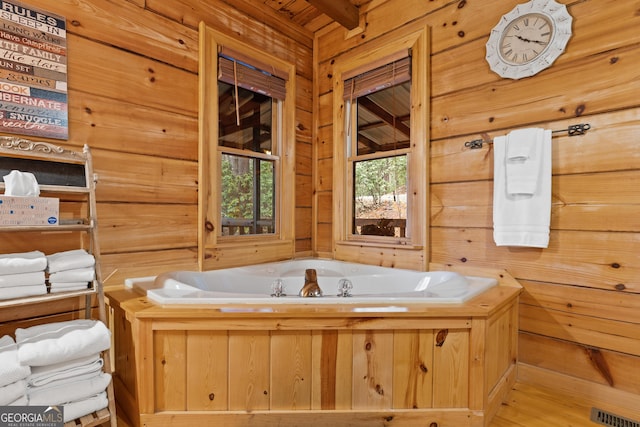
x: 608, y: 419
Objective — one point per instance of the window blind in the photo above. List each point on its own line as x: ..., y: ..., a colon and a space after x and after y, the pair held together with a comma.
x: 234, y: 72
x: 391, y: 74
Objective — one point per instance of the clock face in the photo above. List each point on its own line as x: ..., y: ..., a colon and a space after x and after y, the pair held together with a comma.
x: 528, y: 39
x: 525, y: 38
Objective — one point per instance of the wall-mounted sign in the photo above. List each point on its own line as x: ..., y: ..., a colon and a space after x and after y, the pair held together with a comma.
x: 33, y: 72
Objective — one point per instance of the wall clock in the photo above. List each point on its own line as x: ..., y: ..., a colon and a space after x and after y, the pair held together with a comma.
x: 529, y: 38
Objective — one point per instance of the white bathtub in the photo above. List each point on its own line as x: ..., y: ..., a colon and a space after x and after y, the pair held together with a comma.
x: 254, y: 284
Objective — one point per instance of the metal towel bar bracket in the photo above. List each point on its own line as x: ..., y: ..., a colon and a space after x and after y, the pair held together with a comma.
x: 572, y: 130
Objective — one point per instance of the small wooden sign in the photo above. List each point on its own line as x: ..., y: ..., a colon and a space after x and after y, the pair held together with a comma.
x: 33, y: 72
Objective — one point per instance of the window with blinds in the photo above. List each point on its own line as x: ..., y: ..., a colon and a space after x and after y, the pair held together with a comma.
x: 378, y: 123
x: 249, y: 101
x: 246, y: 162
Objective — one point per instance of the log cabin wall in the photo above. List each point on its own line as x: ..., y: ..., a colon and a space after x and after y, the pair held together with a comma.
x: 580, y: 314
x: 133, y: 98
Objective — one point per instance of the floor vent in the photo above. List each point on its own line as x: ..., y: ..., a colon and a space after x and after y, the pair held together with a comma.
x: 608, y: 419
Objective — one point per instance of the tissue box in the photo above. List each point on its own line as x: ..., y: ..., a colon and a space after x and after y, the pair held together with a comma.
x: 16, y: 210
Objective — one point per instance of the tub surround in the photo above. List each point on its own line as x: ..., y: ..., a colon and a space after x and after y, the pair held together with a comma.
x: 330, y: 364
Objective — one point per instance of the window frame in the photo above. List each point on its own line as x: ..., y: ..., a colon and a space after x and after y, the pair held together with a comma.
x: 412, y: 251
x: 215, y: 250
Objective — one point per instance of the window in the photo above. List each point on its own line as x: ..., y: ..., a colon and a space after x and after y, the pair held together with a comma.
x: 246, y: 163
x: 381, y: 152
x: 247, y: 126
x: 378, y: 105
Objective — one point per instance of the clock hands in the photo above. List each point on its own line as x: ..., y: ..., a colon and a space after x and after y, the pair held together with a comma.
x: 530, y: 41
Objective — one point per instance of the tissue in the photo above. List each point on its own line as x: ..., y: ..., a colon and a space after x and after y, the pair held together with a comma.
x: 21, y: 203
x: 21, y: 184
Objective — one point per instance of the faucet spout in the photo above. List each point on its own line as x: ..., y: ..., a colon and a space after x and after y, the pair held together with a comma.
x: 311, y: 287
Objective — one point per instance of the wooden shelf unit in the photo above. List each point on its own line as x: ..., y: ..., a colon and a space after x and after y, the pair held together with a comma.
x: 68, y: 175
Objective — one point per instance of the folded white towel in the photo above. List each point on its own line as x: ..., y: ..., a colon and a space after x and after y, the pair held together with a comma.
x: 521, y: 219
x: 73, y: 275
x: 80, y: 408
x: 10, y: 368
x: 22, y: 279
x: 68, y: 392
x: 522, y: 143
x: 87, y: 375
x: 66, y: 287
x: 523, y: 160
x: 11, y: 392
x: 22, y: 262
x: 11, y: 292
x: 61, y: 341
x: 53, y: 369
x: 21, y: 401
x: 43, y: 375
x: 69, y: 260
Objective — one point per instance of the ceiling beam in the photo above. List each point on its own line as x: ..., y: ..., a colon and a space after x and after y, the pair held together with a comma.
x: 342, y: 11
x: 386, y: 116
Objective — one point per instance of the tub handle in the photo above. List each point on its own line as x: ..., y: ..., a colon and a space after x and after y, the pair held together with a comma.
x: 277, y: 288
x: 344, y: 288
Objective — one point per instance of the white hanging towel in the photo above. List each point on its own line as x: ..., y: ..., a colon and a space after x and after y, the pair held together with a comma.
x: 523, y: 160
x: 522, y: 188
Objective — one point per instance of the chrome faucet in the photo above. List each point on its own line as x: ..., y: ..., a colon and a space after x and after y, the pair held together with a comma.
x: 311, y: 287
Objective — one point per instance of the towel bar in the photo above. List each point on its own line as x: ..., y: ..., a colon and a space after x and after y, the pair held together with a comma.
x: 572, y: 130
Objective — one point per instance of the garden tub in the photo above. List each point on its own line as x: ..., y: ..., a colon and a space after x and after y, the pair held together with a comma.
x: 407, y: 348
x: 340, y: 282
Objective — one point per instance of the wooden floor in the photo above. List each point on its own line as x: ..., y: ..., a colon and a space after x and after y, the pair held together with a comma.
x: 532, y: 406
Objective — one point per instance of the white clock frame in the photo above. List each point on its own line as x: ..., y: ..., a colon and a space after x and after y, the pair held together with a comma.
x: 560, y: 20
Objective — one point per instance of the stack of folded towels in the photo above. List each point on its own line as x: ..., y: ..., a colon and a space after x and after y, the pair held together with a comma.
x: 65, y: 362
x: 22, y: 275
x: 13, y: 375
x: 70, y: 270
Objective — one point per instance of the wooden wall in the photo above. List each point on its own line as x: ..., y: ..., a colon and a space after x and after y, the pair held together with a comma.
x: 580, y: 314
x: 133, y: 97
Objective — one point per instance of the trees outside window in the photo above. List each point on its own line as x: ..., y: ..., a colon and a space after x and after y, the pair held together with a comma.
x: 248, y: 160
